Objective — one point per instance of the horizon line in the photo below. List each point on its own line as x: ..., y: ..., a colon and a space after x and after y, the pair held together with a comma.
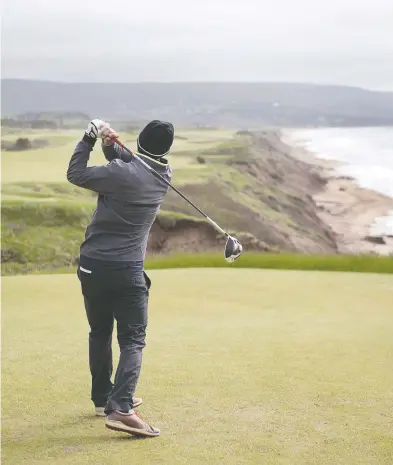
x: 295, y: 83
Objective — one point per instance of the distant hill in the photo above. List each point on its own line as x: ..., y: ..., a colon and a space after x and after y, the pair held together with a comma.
x: 231, y: 104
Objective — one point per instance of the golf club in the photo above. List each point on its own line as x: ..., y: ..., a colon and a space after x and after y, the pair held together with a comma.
x: 233, y: 248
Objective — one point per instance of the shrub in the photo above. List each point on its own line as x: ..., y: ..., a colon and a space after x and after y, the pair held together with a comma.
x: 23, y: 143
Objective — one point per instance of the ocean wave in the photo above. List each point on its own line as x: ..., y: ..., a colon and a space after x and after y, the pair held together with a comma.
x: 383, y: 225
x: 374, y: 177
x: 366, y: 154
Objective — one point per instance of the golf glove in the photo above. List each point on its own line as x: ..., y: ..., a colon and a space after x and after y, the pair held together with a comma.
x: 95, y: 128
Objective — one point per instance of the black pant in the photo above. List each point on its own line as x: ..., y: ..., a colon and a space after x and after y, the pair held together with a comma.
x: 115, y: 291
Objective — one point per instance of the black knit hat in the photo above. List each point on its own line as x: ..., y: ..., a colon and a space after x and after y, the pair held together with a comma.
x: 156, y: 138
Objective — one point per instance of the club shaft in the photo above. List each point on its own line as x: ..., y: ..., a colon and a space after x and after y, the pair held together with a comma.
x: 158, y: 175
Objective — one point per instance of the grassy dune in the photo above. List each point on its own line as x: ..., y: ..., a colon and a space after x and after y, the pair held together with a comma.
x: 272, y: 367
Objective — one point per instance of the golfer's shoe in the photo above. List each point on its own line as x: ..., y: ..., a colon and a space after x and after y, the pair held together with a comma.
x: 130, y: 423
x: 100, y: 411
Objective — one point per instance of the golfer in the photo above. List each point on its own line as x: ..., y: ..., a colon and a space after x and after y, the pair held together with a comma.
x: 111, y: 263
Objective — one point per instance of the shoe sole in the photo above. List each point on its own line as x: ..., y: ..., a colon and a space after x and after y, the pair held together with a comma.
x: 122, y: 428
x: 103, y: 414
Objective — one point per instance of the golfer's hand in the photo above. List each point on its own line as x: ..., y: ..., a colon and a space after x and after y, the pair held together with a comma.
x: 108, y: 135
x: 95, y: 128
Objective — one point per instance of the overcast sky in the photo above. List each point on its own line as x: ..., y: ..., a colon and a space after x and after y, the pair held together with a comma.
x: 334, y: 41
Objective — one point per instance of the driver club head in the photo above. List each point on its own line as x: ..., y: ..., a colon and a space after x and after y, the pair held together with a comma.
x: 233, y: 249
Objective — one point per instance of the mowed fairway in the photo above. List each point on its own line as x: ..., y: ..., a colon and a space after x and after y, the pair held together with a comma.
x: 241, y: 367
x: 50, y: 164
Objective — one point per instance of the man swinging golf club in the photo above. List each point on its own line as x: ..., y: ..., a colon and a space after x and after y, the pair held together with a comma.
x: 111, y: 264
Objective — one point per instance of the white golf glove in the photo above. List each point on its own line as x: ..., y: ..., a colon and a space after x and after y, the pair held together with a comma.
x: 95, y: 128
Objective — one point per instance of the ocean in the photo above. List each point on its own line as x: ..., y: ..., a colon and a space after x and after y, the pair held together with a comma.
x: 367, y: 154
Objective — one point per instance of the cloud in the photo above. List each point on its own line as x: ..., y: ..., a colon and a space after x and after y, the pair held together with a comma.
x: 307, y: 40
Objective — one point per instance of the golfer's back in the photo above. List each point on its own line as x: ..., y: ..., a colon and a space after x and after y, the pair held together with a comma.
x: 128, y: 202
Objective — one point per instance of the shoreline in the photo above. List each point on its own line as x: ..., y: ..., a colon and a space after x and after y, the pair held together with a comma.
x: 347, y: 208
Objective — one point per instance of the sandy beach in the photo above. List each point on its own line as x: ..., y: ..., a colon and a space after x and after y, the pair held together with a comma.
x: 347, y: 208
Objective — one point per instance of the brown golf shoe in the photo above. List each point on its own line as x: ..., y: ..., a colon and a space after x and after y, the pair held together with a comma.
x: 100, y: 411
x: 130, y: 423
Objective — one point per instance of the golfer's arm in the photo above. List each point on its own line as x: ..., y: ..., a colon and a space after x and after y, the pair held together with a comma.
x: 111, y: 152
x: 100, y: 179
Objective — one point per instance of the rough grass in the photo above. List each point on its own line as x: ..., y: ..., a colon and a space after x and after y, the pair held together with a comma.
x: 264, y: 367
x: 340, y: 263
x: 41, y: 235
x: 268, y: 261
